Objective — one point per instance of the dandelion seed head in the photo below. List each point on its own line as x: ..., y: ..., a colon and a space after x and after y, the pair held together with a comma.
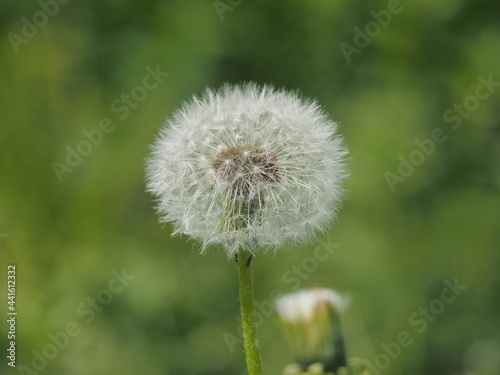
x: 311, y: 323
x: 303, y: 304
x: 248, y: 166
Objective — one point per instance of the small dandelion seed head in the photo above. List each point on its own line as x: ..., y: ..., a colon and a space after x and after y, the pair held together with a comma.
x: 248, y: 166
x: 310, y: 321
x: 303, y: 304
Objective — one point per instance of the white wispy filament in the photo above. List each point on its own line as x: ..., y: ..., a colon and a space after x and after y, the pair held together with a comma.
x: 301, y: 306
x: 248, y: 166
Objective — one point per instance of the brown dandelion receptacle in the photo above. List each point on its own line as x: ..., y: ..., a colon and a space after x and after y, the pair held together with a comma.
x: 246, y: 168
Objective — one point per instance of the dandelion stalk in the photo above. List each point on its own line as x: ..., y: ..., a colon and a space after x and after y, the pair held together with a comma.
x: 252, y: 351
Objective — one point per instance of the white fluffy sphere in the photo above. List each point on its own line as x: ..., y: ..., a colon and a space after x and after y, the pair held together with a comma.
x: 248, y: 166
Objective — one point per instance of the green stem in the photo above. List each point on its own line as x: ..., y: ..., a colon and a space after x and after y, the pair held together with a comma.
x: 252, y: 351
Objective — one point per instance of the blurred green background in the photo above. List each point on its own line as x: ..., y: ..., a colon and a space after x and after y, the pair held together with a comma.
x: 394, y: 245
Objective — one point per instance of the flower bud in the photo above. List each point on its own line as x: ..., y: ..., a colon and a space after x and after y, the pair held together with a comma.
x: 311, y: 323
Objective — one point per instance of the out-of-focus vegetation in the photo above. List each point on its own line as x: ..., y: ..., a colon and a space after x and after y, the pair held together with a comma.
x: 396, y: 246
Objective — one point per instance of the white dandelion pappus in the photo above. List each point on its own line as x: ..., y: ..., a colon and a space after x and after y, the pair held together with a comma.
x: 248, y: 166
x: 301, y: 305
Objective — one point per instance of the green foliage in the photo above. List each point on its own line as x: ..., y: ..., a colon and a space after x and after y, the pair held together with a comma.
x: 355, y: 366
